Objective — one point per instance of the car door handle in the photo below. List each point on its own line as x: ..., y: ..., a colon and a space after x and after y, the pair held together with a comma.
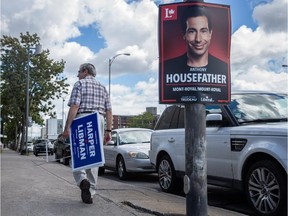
x: 171, y: 139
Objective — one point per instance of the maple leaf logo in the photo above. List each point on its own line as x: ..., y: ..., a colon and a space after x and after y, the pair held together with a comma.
x: 171, y: 12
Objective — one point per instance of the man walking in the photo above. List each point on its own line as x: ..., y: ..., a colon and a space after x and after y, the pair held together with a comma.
x: 88, y: 96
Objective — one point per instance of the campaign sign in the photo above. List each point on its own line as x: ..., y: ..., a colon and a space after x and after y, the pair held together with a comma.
x: 194, y: 53
x: 86, y: 142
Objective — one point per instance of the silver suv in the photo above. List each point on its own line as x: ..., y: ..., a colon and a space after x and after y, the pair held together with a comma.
x: 246, y: 148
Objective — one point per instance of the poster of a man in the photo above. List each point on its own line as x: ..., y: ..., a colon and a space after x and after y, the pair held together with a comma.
x: 193, y: 67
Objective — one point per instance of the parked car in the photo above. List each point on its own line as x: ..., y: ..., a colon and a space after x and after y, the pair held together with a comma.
x: 62, y: 150
x: 30, y: 146
x: 246, y: 148
x: 40, y: 147
x: 128, y: 152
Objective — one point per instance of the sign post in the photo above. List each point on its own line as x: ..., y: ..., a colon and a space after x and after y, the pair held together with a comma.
x: 194, y: 70
x: 195, y: 179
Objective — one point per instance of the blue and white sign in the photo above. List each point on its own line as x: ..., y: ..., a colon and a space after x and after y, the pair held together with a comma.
x: 86, y: 142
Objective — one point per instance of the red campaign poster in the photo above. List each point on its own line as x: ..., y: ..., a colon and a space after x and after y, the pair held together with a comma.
x: 194, y: 53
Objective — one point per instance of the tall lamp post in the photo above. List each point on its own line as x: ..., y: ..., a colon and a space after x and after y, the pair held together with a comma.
x: 111, y: 60
x: 37, y: 51
x: 63, y: 122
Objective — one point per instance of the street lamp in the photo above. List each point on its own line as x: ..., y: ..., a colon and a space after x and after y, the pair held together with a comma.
x: 63, y: 100
x: 37, y: 51
x: 110, y: 63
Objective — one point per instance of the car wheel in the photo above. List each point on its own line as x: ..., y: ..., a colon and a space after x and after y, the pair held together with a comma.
x: 57, y: 158
x: 66, y: 161
x: 167, y: 176
x: 266, y: 188
x: 65, y: 158
x: 101, y: 171
x: 70, y: 162
x: 121, y: 169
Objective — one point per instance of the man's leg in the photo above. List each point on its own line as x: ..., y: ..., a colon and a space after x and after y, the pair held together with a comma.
x: 92, y: 175
x: 81, y: 181
x: 87, y: 179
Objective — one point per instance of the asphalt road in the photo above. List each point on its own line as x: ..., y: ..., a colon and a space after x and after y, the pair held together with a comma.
x: 217, y: 196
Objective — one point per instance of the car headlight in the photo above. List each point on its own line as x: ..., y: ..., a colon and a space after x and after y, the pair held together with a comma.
x: 138, y: 155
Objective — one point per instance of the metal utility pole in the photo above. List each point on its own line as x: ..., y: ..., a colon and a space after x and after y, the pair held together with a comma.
x: 37, y: 51
x: 195, y: 179
x: 63, y: 122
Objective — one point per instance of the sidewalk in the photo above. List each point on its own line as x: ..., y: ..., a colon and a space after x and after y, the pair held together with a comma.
x: 31, y: 186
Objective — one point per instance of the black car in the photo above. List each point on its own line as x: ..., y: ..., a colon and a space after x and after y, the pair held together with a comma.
x: 40, y: 147
x: 62, y: 150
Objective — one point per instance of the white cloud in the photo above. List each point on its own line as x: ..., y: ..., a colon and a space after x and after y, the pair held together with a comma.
x: 277, y: 16
x: 133, y: 101
x: 127, y: 28
x: 258, y: 79
x: 257, y: 47
x: 257, y: 56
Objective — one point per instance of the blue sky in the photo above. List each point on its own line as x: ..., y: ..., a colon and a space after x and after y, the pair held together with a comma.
x: 93, y: 31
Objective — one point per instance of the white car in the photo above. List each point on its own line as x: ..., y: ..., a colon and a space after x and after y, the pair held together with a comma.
x: 246, y: 148
x: 30, y: 146
x: 128, y: 152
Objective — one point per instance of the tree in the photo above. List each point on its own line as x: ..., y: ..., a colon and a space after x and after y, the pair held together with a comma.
x: 145, y: 120
x: 45, y: 83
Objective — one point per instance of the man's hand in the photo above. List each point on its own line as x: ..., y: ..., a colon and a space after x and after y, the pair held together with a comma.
x: 66, y: 133
x: 71, y: 116
x: 107, y: 137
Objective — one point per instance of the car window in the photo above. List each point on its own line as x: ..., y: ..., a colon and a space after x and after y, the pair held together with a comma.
x: 164, y: 121
x: 175, y: 118
x: 181, y: 122
x: 172, y: 118
x: 256, y: 107
x: 130, y: 137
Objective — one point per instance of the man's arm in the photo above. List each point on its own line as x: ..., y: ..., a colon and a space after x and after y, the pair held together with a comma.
x: 109, y: 120
x: 71, y: 116
x: 107, y: 135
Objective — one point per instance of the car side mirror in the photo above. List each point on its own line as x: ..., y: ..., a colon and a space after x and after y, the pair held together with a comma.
x: 214, y: 117
x: 215, y: 120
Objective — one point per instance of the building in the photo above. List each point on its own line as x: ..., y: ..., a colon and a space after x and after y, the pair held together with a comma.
x: 54, y: 127
x: 121, y: 121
